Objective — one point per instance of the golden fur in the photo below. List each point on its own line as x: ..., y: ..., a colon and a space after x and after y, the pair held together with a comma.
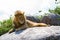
x: 34, y: 24
x: 20, y: 22
x: 19, y: 19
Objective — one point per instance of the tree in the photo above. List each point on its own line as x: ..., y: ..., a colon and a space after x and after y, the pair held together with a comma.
x: 56, y: 10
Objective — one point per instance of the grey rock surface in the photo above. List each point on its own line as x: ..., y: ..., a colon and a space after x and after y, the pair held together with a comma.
x: 36, y: 33
x: 33, y: 18
x: 52, y: 19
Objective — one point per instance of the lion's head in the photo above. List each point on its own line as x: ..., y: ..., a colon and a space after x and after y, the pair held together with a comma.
x: 20, y: 16
x: 19, y: 19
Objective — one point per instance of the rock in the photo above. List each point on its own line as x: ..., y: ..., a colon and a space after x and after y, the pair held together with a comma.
x: 36, y: 33
x: 33, y: 18
x: 52, y: 19
x: 46, y: 20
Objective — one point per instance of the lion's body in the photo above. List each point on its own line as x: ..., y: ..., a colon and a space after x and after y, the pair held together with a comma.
x: 20, y: 22
x: 34, y: 24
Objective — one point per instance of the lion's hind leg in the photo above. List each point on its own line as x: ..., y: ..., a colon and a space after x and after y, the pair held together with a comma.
x: 42, y: 25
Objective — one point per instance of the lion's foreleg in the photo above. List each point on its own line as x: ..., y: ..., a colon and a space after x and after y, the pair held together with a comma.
x: 11, y: 30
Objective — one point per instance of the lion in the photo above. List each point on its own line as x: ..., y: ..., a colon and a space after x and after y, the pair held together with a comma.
x: 20, y: 22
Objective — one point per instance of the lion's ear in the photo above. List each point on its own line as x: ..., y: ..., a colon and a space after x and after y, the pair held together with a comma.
x: 23, y: 12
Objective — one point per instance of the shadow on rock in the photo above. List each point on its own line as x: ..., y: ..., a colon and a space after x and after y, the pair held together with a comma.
x: 18, y: 31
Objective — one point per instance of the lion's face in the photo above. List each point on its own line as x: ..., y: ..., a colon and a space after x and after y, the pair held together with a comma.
x: 19, y: 15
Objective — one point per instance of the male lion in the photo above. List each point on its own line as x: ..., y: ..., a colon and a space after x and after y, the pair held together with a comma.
x: 20, y: 22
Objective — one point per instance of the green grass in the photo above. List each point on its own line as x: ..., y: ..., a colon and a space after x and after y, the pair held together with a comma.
x: 5, y: 26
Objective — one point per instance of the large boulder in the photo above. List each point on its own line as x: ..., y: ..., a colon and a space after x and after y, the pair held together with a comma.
x: 36, y: 33
x: 46, y: 20
x: 52, y: 19
x: 33, y: 18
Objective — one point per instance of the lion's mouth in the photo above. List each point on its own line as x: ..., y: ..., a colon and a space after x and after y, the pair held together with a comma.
x: 22, y: 21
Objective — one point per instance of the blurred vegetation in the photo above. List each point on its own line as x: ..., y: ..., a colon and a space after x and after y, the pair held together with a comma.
x: 41, y: 16
x: 5, y: 26
x: 56, y: 10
